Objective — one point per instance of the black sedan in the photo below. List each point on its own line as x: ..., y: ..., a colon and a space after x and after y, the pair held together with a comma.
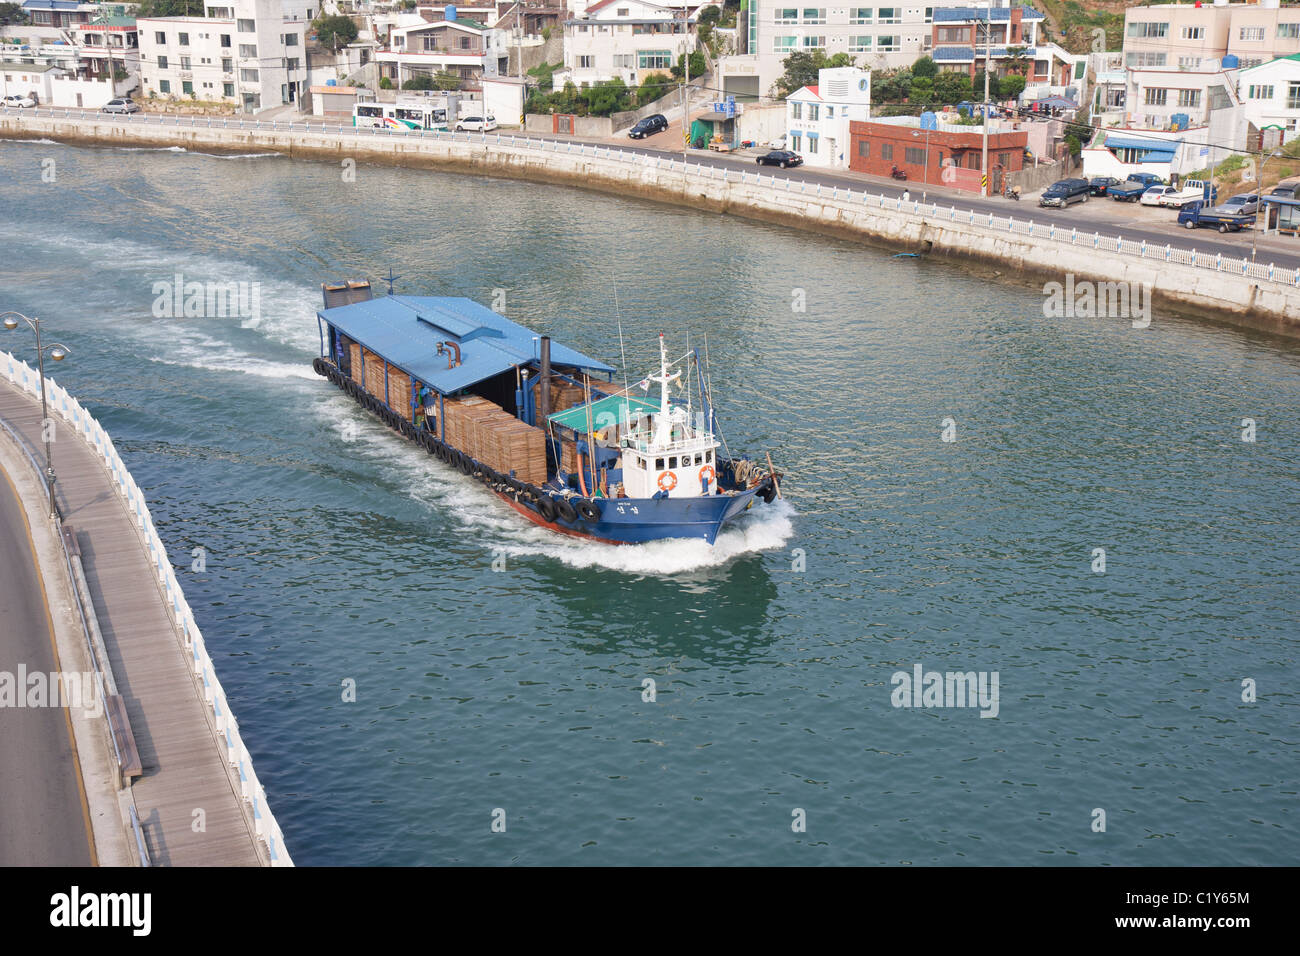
x: 780, y: 157
x: 648, y: 126
x: 1098, y: 185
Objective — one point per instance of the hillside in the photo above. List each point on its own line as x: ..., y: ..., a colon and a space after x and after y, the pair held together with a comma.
x: 1073, y: 23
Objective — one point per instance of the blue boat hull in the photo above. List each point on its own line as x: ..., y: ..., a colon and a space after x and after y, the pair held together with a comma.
x: 637, y: 520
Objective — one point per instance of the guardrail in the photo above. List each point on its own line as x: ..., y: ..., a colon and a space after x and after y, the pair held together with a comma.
x: 843, y: 198
x: 70, y: 410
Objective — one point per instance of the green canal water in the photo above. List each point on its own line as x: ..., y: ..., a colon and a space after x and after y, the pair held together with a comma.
x: 497, y: 666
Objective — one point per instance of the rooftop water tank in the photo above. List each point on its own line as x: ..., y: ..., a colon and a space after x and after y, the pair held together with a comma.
x: 449, y: 12
x: 929, y: 121
x: 1230, y: 61
x: 331, y: 82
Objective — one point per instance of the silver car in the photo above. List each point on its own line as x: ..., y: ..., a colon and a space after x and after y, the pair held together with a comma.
x: 1246, y: 203
x: 120, y: 106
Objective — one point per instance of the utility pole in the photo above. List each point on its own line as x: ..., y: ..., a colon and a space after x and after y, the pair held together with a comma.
x: 988, y: 47
x: 686, y: 86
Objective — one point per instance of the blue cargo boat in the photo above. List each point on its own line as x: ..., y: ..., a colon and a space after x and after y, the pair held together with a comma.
x: 540, y: 424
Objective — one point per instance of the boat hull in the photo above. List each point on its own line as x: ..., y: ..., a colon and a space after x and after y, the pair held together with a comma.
x: 638, y: 520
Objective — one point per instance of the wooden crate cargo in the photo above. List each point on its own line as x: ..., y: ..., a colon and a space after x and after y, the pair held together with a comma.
x: 399, y: 392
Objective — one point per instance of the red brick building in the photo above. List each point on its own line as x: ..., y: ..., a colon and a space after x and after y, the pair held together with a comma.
x: 955, y: 153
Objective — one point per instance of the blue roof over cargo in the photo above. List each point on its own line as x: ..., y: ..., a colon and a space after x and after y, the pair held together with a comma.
x: 406, y: 330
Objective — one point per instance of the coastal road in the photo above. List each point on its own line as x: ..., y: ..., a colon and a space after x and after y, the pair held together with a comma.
x: 45, y: 819
x: 1157, y: 227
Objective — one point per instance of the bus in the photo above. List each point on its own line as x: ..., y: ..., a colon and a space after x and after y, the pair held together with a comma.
x: 403, y: 117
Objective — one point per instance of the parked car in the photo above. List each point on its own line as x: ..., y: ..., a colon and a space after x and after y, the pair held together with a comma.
x: 1224, y: 218
x: 1154, y: 195
x: 1064, y: 192
x: 19, y: 101
x: 120, y: 106
x: 648, y: 126
x: 780, y: 157
x: 1131, y: 189
x: 1245, y: 203
x: 1286, y: 188
x: 1190, y: 191
x: 476, y: 124
x: 1098, y: 185
x: 778, y: 143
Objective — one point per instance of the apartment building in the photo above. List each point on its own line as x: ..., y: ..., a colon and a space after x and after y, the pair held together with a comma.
x: 629, y: 39
x: 251, y: 54
x: 1179, y: 36
x: 954, y: 32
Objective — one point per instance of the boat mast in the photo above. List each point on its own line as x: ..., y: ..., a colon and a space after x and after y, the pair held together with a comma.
x: 663, y: 427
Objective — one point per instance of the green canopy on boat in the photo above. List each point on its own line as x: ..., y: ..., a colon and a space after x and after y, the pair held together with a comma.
x: 604, y: 412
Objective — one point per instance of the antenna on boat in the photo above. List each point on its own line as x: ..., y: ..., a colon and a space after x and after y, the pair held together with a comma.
x: 390, y: 279
x: 622, y: 354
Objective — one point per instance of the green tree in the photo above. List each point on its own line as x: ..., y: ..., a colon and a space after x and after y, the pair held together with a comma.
x: 610, y: 96
x: 977, y: 86
x: 1010, y: 87
x: 335, y: 32
x: 952, y: 88
x: 421, y: 81
x: 12, y: 13
x: 385, y: 83
x: 698, y: 65
x: 170, y: 8
x: 801, y: 69
x: 709, y: 15
x: 925, y: 67
x: 654, y: 86
x: 921, y: 90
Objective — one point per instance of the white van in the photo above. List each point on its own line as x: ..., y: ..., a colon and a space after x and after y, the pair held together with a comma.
x: 477, y: 124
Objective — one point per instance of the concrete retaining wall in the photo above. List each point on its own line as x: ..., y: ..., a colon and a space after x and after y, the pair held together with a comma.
x: 1047, y: 255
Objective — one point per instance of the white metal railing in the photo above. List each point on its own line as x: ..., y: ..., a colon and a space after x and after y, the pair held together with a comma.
x: 70, y: 410
x: 840, y: 199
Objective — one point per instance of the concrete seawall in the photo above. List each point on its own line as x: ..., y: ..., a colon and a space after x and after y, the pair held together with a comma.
x: 1198, y: 284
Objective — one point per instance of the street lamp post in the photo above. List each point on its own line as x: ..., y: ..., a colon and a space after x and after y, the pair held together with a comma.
x: 926, y: 176
x: 1259, y: 205
x: 58, y: 353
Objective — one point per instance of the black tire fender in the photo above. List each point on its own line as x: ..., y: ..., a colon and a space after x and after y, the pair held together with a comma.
x: 546, y: 506
x: 587, y: 510
x: 565, y: 510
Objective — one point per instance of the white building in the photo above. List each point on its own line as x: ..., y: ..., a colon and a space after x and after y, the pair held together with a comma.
x: 88, y: 65
x: 1163, y: 99
x: 252, y: 54
x: 463, y: 48
x: 817, y: 117
x: 1270, y: 95
x: 628, y: 39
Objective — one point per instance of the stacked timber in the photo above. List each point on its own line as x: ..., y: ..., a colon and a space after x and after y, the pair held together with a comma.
x: 564, y: 394
x: 494, y: 437
x: 398, y: 394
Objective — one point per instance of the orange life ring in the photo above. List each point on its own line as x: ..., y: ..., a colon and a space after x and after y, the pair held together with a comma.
x: 707, y: 473
x: 667, y: 481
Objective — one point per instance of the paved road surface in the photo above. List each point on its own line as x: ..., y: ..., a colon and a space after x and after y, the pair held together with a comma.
x: 42, y: 816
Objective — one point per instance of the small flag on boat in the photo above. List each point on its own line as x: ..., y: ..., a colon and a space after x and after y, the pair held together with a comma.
x: 644, y: 384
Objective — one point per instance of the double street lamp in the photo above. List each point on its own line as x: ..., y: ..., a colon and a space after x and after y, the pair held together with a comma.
x: 58, y: 353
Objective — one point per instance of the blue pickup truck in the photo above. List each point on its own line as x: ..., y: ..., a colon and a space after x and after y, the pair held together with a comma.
x: 1131, y: 189
x: 1197, y: 213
